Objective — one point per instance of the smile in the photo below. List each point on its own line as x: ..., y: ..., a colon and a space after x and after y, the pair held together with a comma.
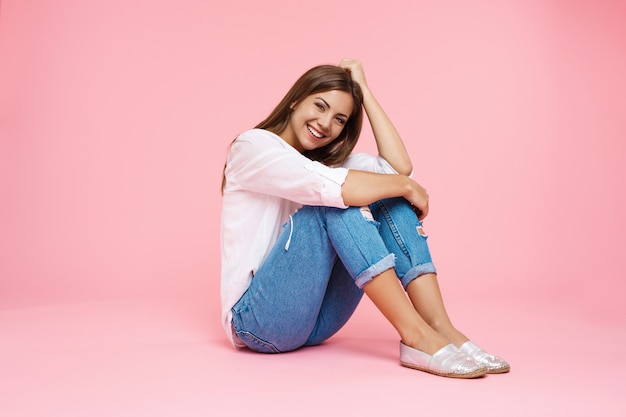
x: 315, y: 132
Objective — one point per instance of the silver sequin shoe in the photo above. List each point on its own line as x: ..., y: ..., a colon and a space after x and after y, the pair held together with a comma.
x: 448, y: 361
x: 494, y: 364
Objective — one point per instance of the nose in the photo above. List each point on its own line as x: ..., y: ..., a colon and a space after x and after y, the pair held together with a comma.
x: 325, y: 120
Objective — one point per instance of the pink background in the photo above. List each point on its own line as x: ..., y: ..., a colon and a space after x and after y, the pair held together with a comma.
x: 115, y: 118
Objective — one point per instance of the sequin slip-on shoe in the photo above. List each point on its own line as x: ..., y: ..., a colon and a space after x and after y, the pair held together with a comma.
x: 448, y: 361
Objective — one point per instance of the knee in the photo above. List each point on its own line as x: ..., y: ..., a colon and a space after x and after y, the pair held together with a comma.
x: 394, y: 205
x: 366, y: 212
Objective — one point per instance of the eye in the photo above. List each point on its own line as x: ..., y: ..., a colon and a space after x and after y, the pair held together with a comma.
x: 342, y: 121
x: 320, y: 106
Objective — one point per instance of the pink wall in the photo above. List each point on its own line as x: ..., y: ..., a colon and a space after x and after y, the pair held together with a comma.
x: 115, y: 118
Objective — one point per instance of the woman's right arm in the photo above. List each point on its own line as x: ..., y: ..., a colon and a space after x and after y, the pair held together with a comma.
x: 362, y: 188
x: 258, y: 161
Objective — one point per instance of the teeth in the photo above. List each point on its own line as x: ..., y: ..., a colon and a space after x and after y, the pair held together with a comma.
x: 314, y: 133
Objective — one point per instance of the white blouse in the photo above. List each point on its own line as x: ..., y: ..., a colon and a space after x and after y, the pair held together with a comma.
x: 266, y: 181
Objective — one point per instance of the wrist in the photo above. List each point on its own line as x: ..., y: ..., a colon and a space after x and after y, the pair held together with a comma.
x: 402, y: 186
x: 367, y: 93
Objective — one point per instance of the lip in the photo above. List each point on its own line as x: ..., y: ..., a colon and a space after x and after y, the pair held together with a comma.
x: 311, y: 129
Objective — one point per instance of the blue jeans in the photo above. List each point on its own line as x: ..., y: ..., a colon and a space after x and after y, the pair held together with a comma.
x: 311, y: 281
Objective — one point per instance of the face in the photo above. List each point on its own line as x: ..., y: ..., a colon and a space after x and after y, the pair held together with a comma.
x: 318, y: 119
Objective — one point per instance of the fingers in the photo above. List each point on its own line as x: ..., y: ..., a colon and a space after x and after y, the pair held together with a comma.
x: 355, y: 68
x: 420, y: 213
x: 419, y: 201
x: 347, y: 63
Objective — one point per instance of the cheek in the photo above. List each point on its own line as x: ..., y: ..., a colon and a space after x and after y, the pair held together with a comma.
x: 338, y: 130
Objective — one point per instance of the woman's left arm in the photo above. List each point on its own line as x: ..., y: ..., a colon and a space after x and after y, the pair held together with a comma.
x: 388, y: 140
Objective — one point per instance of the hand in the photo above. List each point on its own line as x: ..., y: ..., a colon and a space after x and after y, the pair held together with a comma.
x: 418, y: 198
x: 354, y: 67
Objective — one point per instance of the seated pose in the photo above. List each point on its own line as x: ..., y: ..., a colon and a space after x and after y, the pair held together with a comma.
x: 308, y: 227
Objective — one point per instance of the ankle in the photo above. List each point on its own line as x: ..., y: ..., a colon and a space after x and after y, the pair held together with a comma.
x: 427, y: 343
x: 452, y: 334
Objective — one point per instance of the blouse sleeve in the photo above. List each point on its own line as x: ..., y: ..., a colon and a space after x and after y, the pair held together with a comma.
x: 262, y: 163
x: 367, y: 162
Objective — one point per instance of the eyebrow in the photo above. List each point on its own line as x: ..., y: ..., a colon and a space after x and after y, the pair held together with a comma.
x: 328, y: 105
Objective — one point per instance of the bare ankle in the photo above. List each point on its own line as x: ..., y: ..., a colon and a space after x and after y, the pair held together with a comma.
x: 427, y: 343
x: 448, y: 331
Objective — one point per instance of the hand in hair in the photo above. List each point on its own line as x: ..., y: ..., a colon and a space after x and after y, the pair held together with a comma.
x: 355, y: 68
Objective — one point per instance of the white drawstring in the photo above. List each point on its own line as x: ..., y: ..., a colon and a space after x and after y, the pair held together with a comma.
x: 290, y: 233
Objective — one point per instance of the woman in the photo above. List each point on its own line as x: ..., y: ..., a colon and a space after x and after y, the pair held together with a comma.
x: 351, y: 224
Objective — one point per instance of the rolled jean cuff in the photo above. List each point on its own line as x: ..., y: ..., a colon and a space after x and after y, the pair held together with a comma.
x: 378, y: 268
x: 416, y: 271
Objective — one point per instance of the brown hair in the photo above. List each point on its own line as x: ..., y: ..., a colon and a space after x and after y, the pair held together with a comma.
x: 318, y: 80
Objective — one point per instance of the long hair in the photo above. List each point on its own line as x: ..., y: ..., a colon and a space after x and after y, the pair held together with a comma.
x: 320, y: 79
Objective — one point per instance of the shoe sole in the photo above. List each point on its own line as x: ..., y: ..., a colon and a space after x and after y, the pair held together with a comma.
x: 476, y: 374
x: 499, y: 371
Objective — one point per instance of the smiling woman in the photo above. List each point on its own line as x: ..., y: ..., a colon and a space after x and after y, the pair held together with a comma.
x: 352, y: 225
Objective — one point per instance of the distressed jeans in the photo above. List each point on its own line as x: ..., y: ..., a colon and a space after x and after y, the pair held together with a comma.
x: 311, y: 281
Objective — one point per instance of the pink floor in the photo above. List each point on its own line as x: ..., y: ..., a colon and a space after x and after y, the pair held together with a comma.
x: 150, y: 359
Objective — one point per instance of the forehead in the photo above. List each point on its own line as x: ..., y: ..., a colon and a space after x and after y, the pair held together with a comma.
x: 339, y: 101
